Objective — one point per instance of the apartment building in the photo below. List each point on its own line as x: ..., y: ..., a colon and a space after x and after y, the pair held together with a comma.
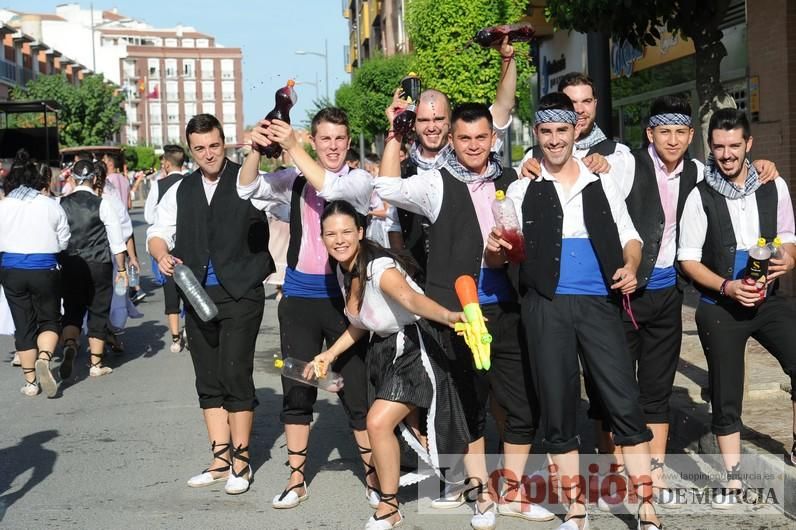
x: 375, y: 26
x: 168, y: 75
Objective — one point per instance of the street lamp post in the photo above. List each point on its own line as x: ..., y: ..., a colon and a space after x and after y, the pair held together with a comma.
x: 325, y: 56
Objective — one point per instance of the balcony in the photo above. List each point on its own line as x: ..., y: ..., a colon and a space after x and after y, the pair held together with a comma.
x: 228, y: 75
x: 8, y: 71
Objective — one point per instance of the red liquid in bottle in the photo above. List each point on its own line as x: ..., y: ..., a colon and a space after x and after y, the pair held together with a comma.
x: 514, y: 238
x: 404, y: 123
x: 487, y: 37
x: 285, y: 98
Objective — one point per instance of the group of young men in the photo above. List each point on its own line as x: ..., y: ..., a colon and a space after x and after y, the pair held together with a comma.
x: 611, y: 238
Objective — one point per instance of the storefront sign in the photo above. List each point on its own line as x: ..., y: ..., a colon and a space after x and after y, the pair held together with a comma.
x: 564, y: 53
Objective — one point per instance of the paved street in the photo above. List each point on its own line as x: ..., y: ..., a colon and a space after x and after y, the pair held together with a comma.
x: 114, y: 452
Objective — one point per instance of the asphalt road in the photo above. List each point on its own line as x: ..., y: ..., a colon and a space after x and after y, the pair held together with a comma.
x: 115, y: 452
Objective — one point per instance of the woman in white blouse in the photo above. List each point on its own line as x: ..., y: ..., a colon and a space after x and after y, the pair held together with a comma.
x: 34, y: 230
x: 405, y: 363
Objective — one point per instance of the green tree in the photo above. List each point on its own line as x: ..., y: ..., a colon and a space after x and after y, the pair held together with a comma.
x: 638, y: 22
x: 370, y: 92
x: 140, y: 157
x: 441, y: 33
x: 89, y: 114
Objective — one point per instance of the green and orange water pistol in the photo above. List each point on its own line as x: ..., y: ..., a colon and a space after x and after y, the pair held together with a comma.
x: 475, y: 334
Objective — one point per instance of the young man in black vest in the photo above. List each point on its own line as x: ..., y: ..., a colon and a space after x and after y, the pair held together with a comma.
x: 582, y: 252
x: 599, y: 153
x: 723, y: 217
x: 432, y: 127
x: 311, y: 309
x: 456, y: 199
x: 171, y: 162
x: 202, y: 223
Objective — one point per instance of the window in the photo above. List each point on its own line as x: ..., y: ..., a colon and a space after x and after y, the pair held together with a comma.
x: 171, y: 68
x: 129, y: 69
x: 209, y: 107
x: 188, y: 43
x: 189, y: 109
x: 132, y: 113
x: 229, y: 133
x: 227, y: 68
x: 189, y: 90
x: 228, y: 90
x: 208, y: 89
x: 154, y: 67
x: 208, y: 68
x: 228, y: 112
x: 172, y: 92
x: 171, y: 43
x: 132, y: 136
x: 172, y: 112
x: 202, y: 43
x: 189, y: 68
x: 156, y: 135
x: 173, y: 132
x: 154, y: 113
x: 154, y: 90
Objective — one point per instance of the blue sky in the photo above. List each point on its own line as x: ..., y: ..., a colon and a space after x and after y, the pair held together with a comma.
x: 268, y: 31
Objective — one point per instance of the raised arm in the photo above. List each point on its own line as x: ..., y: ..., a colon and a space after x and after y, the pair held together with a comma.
x: 507, y: 86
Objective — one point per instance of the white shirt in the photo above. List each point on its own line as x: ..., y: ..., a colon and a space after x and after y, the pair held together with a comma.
x: 744, y: 218
x: 272, y: 189
x: 625, y: 180
x: 574, y: 225
x: 111, y: 215
x: 38, y: 226
x: 152, y: 200
x: 623, y: 164
x: 165, y: 226
x: 124, y: 215
x: 379, y: 313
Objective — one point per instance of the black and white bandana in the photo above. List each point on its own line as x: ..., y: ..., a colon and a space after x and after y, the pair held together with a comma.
x: 594, y: 137
x: 670, y: 118
x: 494, y: 168
x: 425, y: 165
x: 555, y: 116
x: 716, y: 180
x: 23, y: 193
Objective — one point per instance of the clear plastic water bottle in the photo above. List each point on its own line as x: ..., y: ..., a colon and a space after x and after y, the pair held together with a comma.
x: 119, y: 285
x: 295, y: 370
x: 194, y: 293
x: 133, y: 278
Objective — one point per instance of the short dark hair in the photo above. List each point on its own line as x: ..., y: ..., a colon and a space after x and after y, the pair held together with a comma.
x: 727, y: 120
x: 670, y: 105
x: 116, y: 158
x: 203, y: 123
x: 333, y: 115
x: 576, y: 79
x: 352, y: 155
x: 175, y: 154
x: 23, y: 172
x: 555, y: 101
x: 373, y: 158
x: 470, y: 113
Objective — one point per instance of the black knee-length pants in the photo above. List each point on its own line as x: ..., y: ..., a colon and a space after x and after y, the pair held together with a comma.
x: 304, y: 325
x: 34, y: 299
x: 222, y: 350
x: 557, y: 330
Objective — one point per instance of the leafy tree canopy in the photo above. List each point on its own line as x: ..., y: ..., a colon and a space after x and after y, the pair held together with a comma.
x: 90, y: 114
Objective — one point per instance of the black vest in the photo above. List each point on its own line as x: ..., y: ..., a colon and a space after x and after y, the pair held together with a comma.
x: 229, y: 231
x: 456, y: 245
x: 89, y: 239
x: 605, y: 148
x: 414, y: 228
x: 718, y: 252
x: 167, y: 182
x: 646, y: 211
x: 543, y: 221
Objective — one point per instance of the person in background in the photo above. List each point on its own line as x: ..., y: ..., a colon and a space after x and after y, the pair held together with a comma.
x: 171, y: 162
x: 95, y: 246
x: 34, y: 230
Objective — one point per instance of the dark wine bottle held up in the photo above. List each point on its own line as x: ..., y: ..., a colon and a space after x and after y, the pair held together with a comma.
x: 521, y: 32
x: 404, y: 122
x: 285, y: 98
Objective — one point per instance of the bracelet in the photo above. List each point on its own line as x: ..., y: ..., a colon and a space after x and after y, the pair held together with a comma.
x: 121, y: 271
x: 723, y: 288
